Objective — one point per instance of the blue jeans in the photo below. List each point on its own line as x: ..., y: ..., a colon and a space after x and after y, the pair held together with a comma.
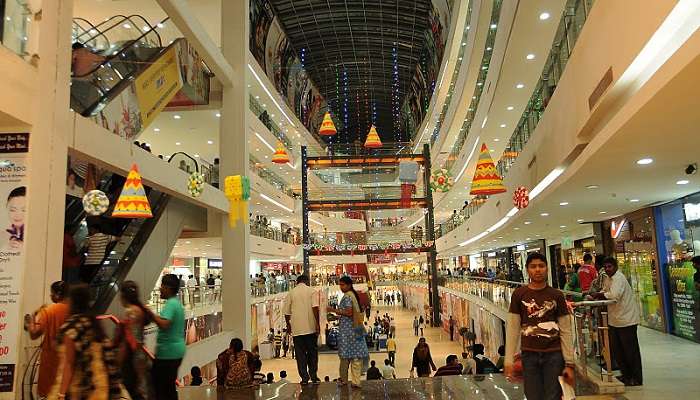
x: 541, y: 372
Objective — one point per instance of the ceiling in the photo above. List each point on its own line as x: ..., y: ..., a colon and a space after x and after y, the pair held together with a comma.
x: 356, y: 39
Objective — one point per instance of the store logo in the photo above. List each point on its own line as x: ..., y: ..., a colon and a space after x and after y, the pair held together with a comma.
x: 616, y: 229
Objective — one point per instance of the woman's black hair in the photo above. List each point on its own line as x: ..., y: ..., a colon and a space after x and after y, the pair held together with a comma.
x: 130, y: 292
x: 59, y: 289
x: 236, y: 345
x: 79, y: 296
x: 195, y: 371
x: 348, y: 281
x: 20, y: 191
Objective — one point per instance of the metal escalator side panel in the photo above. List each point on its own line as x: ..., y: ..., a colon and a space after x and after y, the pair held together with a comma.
x: 114, y: 270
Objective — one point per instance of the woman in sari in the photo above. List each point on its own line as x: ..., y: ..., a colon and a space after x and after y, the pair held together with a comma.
x: 352, y: 347
x: 133, y: 359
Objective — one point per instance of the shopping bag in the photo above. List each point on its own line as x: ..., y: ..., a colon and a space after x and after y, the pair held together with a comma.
x: 567, y: 390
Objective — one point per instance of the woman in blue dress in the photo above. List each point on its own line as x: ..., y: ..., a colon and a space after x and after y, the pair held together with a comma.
x: 352, y: 347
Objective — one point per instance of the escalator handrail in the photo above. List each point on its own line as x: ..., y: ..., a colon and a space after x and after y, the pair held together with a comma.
x: 129, y: 44
x: 102, y: 32
x: 196, y: 164
x: 76, y: 21
x: 117, y: 89
x: 103, y: 300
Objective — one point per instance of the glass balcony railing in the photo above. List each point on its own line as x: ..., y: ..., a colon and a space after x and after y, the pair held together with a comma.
x: 479, y: 89
x: 16, y: 26
x: 264, y: 117
x: 570, y: 26
x: 270, y: 177
x: 272, y: 233
x: 260, y: 287
x: 455, y: 74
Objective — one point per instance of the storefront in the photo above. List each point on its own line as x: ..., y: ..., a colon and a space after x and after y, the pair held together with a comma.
x: 678, y: 232
x: 632, y: 240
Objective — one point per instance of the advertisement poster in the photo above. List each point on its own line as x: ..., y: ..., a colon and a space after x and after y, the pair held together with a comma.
x: 13, y: 191
x: 685, y: 300
x: 157, y: 85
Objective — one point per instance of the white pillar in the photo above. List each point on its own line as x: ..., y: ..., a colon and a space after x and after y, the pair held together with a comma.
x: 46, y: 189
x: 233, y: 149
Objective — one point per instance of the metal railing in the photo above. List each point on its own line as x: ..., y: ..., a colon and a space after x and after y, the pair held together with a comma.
x: 192, y: 298
x: 272, y: 233
x: 265, y: 118
x: 285, y: 283
x: 17, y: 26
x: 255, y: 166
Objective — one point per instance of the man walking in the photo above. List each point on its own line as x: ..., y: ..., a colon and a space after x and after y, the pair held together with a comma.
x: 416, y: 324
x: 539, y: 315
x: 587, y: 273
x: 623, y: 318
x: 452, y: 328
x: 301, y: 313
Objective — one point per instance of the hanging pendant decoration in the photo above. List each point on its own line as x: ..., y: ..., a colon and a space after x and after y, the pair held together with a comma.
x: 132, y: 202
x: 233, y: 190
x: 486, y: 180
x: 245, y: 196
x: 195, y: 184
x: 441, y: 180
x: 327, y: 126
x: 280, y: 156
x: 95, y: 202
x: 373, y: 141
x: 521, y: 197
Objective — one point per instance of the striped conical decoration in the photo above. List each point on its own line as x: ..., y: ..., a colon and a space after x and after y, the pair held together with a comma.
x: 373, y: 140
x: 280, y: 156
x: 327, y: 126
x: 132, y: 202
x: 486, y: 180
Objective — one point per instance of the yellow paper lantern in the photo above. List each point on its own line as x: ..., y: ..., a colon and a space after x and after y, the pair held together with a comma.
x: 233, y: 190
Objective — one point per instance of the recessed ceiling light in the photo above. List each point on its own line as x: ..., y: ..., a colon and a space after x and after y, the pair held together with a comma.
x: 527, y: 222
x: 210, y: 142
x: 682, y: 182
x: 545, y: 214
x: 177, y: 143
x: 188, y: 242
x: 530, y: 56
x: 156, y: 129
x: 196, y: 156
x: 503, y: 125
x: 176, y: 116
x: 634, y: 200
x: 603, y: 212
x: 579, y: 220
x: 257, y: 97
x: 509, y: 108
x: 562, y: 226
x: 519, y: 86
x: 645, y: 161
x: 564, y: 203
x: 544, y: 16
x: 218, y: 115
x: 516, y: 228
x: 493, y: 26
x: 496, y: 140
x: 592, y: 187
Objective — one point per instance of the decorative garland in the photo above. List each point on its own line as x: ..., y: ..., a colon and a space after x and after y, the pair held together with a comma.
x: 521, y: 197
x: 441, y: 180
x: 195, y: 184
x: 363, y: 247
x: 95, y: 202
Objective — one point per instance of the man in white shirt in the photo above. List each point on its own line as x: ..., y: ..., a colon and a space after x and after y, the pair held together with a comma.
x: 623, y: 318
x: 301, y: 309
x: 191, y: 287
x: 388, y: 372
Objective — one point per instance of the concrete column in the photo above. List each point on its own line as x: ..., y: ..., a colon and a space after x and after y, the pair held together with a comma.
x: 233, y: 145
x: 46, y: 189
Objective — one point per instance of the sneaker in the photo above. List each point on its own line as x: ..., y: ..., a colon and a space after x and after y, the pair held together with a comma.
x: 316, y: 381
x: 305, y: 382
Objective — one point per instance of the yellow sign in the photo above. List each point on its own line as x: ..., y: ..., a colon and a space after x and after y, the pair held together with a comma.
x: 157, y: 85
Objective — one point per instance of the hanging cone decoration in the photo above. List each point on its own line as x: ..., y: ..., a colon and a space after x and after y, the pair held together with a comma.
x: 132, y: 202
x: 486, y: 180
x: 373, y: 140
x: 327, y: 126
x: 280, y: 156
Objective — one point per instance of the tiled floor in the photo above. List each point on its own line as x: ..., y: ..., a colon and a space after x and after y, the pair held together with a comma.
x: 669, y: 368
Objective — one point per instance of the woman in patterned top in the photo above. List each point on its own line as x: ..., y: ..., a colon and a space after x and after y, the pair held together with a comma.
x: 352, y: 347
x: 87, y: 368
x: 132, y: 356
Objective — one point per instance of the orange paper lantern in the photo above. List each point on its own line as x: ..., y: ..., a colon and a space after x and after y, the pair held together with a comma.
x: 327, y: 127
x: 373, y: 140
x: 486, y: 180
x: 280, y: 156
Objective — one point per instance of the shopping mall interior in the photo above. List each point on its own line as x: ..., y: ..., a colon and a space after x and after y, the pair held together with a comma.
x: 195, y: 160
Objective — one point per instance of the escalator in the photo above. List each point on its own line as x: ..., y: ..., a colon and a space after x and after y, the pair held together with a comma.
x: 125, y: 71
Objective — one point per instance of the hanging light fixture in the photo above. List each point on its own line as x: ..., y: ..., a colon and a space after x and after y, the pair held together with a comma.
x: 280, y: 156
x: 327, y: 126
x: 373, y: 141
